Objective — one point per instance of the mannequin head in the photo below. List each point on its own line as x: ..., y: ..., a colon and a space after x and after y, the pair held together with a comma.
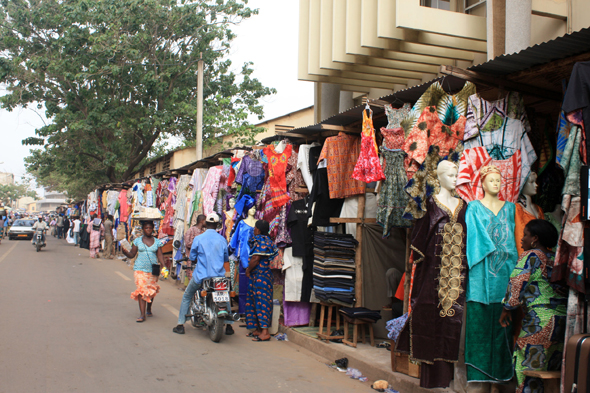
x: 232, y: 203
x: 530, y: 187
x: 491, y: 180
x: 447, y: 175
x: 252, y: 211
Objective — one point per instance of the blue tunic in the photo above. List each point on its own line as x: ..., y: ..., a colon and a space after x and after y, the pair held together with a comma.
x: 239, y: 242
x: 491, y: 251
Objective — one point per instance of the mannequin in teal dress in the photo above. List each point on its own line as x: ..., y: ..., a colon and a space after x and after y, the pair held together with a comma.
x: 491, y: 256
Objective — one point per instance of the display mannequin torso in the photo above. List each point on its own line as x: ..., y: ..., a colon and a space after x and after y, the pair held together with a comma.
x: 250, y: 220
x: 447, y: 176
x: 529, y: 190
x: 491, y: 198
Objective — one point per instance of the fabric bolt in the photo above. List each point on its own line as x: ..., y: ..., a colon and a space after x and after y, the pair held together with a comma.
x: 146, y: 255
x: 438, y: 295
x: 431, y: 131
x: 424, y: 183
x: 504, y: 142
x: 341, y: 153
x: 240, y: 242
x: 540, y: 343
x: 486, y: 116
x: 449, y: 107
x: 392, y: 197
x: 146, y: 286
x: 296, y: 313
x: 469, y: 179
x: 569, y: 258
x: 521, y: 218
x: 396, y: 115
x: 277, y: 167
x: 260, y: 289
x: 368, y: 168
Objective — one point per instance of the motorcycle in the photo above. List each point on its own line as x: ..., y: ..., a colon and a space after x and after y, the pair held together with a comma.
x: 209, y: 306
x: 39, y: 240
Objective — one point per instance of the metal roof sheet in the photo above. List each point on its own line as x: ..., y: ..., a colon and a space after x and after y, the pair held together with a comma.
x: 560, y: 48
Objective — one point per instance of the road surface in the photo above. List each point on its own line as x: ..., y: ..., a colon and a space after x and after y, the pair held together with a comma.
x: 67, y: 324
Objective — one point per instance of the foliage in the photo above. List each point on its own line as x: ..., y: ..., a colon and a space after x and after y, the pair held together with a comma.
x: 117, y: 76
x: 13, y: 192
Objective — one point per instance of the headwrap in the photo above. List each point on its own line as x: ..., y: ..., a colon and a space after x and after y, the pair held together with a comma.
x: 244, y: 204
x: 486, y: 170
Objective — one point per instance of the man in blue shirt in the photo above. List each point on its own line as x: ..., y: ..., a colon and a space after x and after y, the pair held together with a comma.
x: 209, y: 251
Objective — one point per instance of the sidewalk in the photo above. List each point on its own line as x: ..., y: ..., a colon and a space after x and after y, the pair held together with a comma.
x: 374, y: 363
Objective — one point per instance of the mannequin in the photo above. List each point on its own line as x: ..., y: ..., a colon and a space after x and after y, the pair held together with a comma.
x: 527, y: 211
x: 229, y: 218
x: 447, y: 177
x: 250, y: 220
x: 280, y: 147
x: 438, y: 247
x: 492, y: 256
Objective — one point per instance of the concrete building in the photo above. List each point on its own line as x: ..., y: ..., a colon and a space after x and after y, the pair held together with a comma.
x: 23, y: 202
x: 353, y: 48
x: 52, y: 201
x: 6, y: 178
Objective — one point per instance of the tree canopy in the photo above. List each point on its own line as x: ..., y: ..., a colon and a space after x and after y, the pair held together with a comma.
x: 13, y: 192
x: 114, y: 76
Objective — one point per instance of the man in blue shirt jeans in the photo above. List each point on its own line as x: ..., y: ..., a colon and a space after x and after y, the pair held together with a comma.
x: 209, y: 251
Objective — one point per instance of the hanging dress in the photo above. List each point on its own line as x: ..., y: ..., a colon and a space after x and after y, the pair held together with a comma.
x: 277, y: 167
x: 368, y: 168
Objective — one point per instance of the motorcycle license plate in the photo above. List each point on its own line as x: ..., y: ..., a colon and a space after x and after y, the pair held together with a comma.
x: 221, y: 296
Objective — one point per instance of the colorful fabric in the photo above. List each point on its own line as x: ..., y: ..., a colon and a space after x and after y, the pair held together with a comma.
x: 229, y: 220
x: 277, y: 167
x: 504, y: 142
x: 424, y: 183
x: 341, y: 153
x: 260, y: 289
x: 146, y: 285
x: 239, y: 242
x: 294, y: 177
x: 368, y: 168
x: 486, y: 116
x: 430, y: 131
x: 396, y: 115
x: 540, y: 343
x: 569, y: 159
x: 521, y: 218
x: 146, y: 256
x: 569, y: 258
x: 449, y: 107
x: 95, y: 239
x: 211, y: 188
x: 392, y: 197
x: 469, y: 178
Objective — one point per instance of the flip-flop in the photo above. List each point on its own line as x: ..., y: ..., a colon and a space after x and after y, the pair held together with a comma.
x: 140, y: 320
x: 251, y: 334
x: 258, y: 339
x: 149, y: 314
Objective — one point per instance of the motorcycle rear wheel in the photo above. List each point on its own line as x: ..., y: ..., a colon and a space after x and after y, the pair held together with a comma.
x: 38, y: 247
x: 216, y: 328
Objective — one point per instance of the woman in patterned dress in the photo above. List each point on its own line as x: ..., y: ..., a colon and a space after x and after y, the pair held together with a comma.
x: 540, y: 343
x: 259, y: 300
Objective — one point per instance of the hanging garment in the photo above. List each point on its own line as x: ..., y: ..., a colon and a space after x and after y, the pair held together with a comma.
x: 303, y: 164
x: 294, y: 177
x: 277, y: 167
x: 469, y: 181
x: 449, y: 107
x: 211, y: 188
x: 504, y: 142
x: 576, y: 98
x: 293, y: 270
x: 540, y: 343
x: 350, y: 209
x: 424, y: 183
x: 394, y: 139
x: 396, y: 115
x: 521, y: 218
x: 491, y: 256
x: 569, y: 159
x: 123, y: 205
x: 239, y: 242
x: 487, y: 116
x: 431, y: 131
x: 341, y: 153
x: 433, y: 330
x: 368, y: 168
x: 392, y: 197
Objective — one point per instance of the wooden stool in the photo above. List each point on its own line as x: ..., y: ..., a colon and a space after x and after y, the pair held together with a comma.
x: 331, y: 308
x: 357, y: 323
x: 550, y: 379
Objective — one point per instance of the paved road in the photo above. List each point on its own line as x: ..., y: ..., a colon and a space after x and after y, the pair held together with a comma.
x: 67, y: 324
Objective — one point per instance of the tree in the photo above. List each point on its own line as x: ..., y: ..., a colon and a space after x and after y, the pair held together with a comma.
x: 114, y: 76
x: 13, y: 192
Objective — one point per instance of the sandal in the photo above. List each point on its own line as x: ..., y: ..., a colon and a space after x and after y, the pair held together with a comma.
x: 251, y: 334
x: 258, y: 339
x: 140, y: 320
x: 149, y: 314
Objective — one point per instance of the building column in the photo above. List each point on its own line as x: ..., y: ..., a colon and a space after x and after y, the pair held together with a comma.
x: 496, y: 27
x: 346, y: 101
x: 326, y: 101
x: 518, y: 25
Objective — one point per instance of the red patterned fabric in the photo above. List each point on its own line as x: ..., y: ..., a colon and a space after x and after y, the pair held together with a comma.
x: 341, y: 153
x: 368, y: 168
x: 469, y: 180
x: 394, y: 139
x: 277, y: 168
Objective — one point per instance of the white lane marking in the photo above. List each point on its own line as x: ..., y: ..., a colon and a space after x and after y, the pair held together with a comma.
x: 124, y: 277
x: 8, y: 252
x: 171, y: 309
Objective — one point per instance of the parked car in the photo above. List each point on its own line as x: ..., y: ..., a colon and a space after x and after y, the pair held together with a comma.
x: 21, y: 229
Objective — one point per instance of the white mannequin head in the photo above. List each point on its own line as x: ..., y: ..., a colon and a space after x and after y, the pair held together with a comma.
x: 447, y: 175
x: 530, y: 187
x: 491, y: 184
x: 232, y: 203
x: 252, y: 211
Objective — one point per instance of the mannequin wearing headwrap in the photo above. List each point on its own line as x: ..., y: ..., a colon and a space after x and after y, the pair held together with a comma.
x: 491, y: 256
x: 241, y: 250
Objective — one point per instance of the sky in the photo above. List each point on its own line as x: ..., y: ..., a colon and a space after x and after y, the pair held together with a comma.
x: 269, y: 39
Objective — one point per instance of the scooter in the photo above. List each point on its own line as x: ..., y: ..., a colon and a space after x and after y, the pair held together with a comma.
x: 39, y: 240
x: 209, y: 306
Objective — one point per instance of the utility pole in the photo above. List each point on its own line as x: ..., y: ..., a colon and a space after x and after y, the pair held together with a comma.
x: 200, y: 68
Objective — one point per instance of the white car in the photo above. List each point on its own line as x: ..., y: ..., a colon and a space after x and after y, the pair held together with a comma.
x: 21, y: 229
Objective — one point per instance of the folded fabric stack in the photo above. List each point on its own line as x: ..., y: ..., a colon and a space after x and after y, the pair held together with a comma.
x: 333, y: 267
x: 361, y: 313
